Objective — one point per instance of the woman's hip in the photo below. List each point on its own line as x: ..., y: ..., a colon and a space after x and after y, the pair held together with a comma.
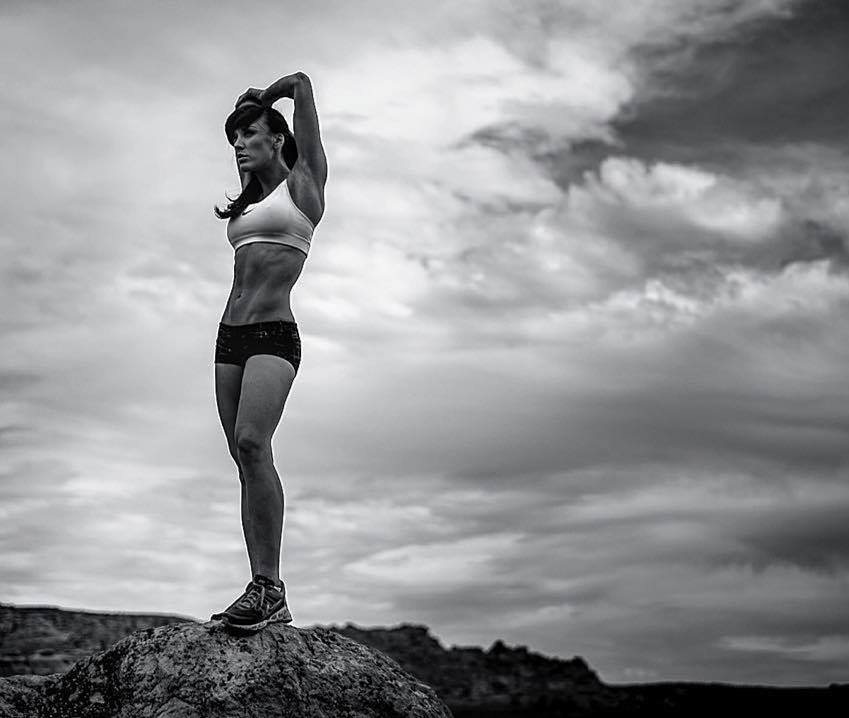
x: 235, y: 343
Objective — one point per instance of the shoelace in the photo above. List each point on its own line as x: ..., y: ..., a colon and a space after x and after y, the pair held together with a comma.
x: 247, y: 601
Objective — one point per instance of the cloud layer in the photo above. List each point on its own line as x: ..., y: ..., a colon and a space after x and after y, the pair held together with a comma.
x: 574, y: 324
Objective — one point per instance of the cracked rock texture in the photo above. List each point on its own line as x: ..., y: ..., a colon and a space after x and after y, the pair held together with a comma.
x: 191, y: 670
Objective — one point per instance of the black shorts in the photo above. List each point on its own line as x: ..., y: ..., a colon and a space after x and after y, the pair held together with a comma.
x: 236, y: 342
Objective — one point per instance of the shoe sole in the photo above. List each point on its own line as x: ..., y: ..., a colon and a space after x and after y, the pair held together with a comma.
x: 282, y: 615
x: 222, y: 615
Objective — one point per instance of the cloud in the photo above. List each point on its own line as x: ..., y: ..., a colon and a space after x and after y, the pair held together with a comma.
x: 828, y: 648
x: 766, y: 75
x: 690, y: 195
x: 574, y: 349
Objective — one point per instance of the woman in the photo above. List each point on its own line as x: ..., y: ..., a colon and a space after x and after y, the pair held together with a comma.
x: 258, y: 348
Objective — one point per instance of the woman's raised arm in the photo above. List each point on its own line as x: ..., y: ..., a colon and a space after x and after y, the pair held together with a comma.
x: 305, y: 121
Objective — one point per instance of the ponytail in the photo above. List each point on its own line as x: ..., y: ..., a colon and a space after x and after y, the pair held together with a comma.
x: 290, y: 148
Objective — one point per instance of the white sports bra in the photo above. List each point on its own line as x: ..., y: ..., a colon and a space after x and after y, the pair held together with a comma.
x: 274, y: 219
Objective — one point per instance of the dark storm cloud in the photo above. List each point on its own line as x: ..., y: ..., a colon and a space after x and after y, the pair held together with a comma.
x: 810, y: 537
x: 810, y: 241
x: 778, y: 80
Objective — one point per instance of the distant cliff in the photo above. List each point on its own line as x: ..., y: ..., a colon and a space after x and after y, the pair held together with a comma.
x: 40, y: 640
x: 500, y: 678
x: 37, y: 641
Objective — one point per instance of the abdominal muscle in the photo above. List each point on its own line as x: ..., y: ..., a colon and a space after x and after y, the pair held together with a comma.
x: 263, y: 277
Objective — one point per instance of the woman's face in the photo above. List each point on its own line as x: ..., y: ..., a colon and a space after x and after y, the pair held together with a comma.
x: 256, y: 146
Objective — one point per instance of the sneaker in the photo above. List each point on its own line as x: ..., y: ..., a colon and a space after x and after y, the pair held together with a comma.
x: 262, y: 603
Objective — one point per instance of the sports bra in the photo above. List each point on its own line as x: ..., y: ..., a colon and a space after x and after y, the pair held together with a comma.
x: 276, y: 219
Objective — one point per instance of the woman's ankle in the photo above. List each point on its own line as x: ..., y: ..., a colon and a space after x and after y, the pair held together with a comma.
x: 276, y: 581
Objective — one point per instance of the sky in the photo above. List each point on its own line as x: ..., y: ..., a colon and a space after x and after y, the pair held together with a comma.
x: 574, y: 323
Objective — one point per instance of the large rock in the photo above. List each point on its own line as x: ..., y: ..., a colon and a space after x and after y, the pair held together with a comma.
x: 191, y: 670
x: 22, y: 695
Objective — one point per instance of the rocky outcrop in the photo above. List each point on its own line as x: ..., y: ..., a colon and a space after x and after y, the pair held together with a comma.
x: 475, y: 683
x: 21, y: 695
x: 44, y: 640
x: 499, y: 678
x: 192, y: 670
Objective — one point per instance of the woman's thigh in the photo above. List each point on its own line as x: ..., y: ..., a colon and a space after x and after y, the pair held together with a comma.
x: 228, y: 389
x: 266, y: 383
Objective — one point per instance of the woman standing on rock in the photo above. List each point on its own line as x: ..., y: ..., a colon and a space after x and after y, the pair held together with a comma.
x: 258, y: 348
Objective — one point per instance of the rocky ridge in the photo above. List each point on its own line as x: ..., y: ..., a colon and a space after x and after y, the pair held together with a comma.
x: 38, y: 644
x: 193, y: 670
x: 40, y: 640
x: 498, y: 678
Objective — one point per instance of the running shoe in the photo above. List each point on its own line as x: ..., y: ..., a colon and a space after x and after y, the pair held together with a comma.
x: 262, y: 603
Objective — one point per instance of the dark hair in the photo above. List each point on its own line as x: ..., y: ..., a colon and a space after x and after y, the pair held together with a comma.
x: 240, y: 118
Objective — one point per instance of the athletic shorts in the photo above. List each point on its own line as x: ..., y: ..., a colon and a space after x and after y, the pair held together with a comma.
x: 236, y: 342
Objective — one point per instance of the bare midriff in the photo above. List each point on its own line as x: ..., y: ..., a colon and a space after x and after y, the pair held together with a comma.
x: 263, y: 277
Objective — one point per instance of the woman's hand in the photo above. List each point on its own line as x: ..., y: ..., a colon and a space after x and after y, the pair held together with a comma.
x: 251, y: 96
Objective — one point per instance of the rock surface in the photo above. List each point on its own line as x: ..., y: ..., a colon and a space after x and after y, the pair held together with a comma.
x: 191, y: 670
x: 21, y: 695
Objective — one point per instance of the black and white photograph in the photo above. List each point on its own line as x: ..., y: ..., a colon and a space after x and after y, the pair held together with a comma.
x: 412, y: 359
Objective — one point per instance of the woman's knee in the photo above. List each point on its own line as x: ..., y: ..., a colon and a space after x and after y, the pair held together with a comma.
x: 251, y: 446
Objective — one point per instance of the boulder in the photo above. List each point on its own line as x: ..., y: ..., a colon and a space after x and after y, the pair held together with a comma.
x: 194, y: 670
x: 21, y: 696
